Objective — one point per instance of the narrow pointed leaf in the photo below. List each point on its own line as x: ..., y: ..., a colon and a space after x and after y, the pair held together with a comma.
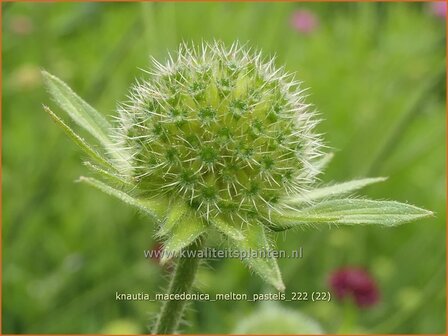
x: 351, y: 211
x: 323, y: 162
x: 154, y: 208
x: 176, y: 212
x: 227, y: 229
x: 80, y: 111
x: 107, y: 174
x: 266, y: 268
x: 182, y: 235
x: 335, y: 190
x: 79, y: 141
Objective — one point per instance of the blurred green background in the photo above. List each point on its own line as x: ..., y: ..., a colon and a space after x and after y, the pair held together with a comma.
x: 376, y: 73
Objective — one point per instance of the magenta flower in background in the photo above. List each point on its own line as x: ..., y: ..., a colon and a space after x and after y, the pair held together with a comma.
x: 304, y: 21
x: 156, y: 250
x: 438, y: 8
x: 21, y: 25
x: 156, y: 255
x: 354, y: 283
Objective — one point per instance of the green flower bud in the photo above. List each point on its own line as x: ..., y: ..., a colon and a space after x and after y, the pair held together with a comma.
x: 221, y: 129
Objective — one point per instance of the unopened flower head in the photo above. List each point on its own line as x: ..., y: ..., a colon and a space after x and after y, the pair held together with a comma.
x: 222, y: 129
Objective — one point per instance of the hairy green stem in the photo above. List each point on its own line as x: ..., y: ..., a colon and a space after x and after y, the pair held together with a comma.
x: 181, y: 282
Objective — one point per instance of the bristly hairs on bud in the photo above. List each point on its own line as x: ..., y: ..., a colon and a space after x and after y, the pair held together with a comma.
x: 223, y: 129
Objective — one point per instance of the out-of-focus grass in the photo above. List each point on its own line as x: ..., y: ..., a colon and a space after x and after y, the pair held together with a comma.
x: 376, y: 73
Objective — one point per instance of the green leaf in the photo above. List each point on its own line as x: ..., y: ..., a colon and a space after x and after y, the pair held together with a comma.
x: 80, y: 111
x: 334, y: 190
x: 227, y: 229
x: 107, y: 174
x: 154, y: 208
x: 176, y: 212
x: 265, y: 266
x: 79, y: 141
x: 182, y: 235
x: 351, y: 211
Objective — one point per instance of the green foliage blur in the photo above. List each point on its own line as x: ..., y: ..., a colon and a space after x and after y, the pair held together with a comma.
x: 376, y: 73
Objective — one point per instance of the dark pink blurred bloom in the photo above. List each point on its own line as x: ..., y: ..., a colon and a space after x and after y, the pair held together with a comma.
x: 21, y: 25
x: 304, y: 21
x: 157, y: 253
x: 354, y: 283
x: 157, y: 250
x: 439, y: 8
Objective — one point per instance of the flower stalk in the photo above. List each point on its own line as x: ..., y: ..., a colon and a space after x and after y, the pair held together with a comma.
x: 181, y: 282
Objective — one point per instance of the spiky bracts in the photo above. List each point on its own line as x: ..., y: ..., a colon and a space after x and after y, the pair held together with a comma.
x: 221, y: 129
